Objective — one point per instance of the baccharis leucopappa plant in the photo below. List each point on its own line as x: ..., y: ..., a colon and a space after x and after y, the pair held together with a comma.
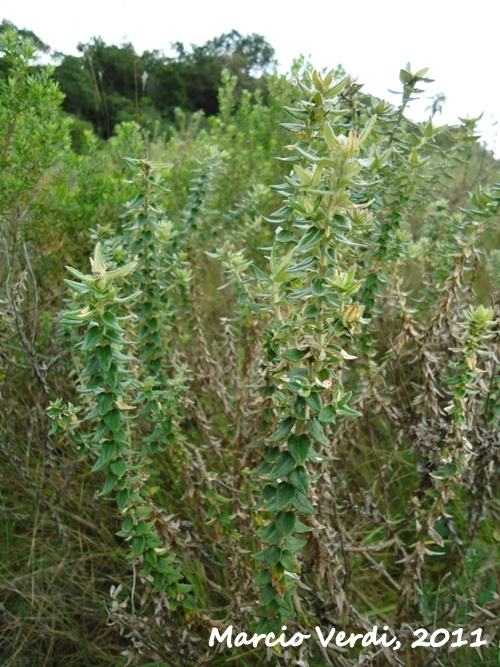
x: 309, y: 301
x: 464, y: 384
x: 108, y: 378
x: 148, y: 237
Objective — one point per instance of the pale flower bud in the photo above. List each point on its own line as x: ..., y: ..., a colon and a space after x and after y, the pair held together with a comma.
x: 352, y: 143
x: 471, y: 363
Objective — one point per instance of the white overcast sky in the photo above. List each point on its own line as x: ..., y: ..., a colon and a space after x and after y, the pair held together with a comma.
x: 459, y: 41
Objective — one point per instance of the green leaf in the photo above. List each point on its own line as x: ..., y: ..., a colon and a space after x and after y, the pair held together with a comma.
x: 92, y: 338
x: 283, y: 430
x: 299, y: 386
x: 367, y: 130
x: 260, y: 275
x: 267, y: 594
x: 184, y: 588
x: 404, y: 76
x: 268, y: 533
x: 330, y: 137
x: 282, y: 213
x: 421, y: 73
x: 299, y: 406
x: 324, y: 375
x: 456, y: 379
x: 347, y: 412
x: 258, y: 307
x: 327, y: 414
x: 293, y: 544
x: 91, y: 367
x: 78, y: 275
x: 159, y: 580
x: 138, y: 544
x: 115, y: 337
x: 317, y: 458
x: 269, y: 492
x: 127, y: 524
x: 163, y: 565
x: 318, y: 287
x: 302, y: 527
x: 112, y: 419
x: 303, y: 505
x: 311, y: 311
x: 285, y: 523
x: 111, y: 376
x: 118, y: 467
x: 105, y: 402
x: 107, y: 451
x: 105, y: 356
x: 459, y: 393
x: 131, y: 163
x: 298, y: 446
x: 151, y: 558
x: 189, y: 604
x: 271, y: 454
x: 284, y: 463
x: 284, y: 235
x: 304, y: 176
x: 297, y: 268
x: 94, y: 382
x: 121, y: 272
x: 299, y: 478
x: 109, y: 484
x: 110, y: 321
x: 142, y: 528
x: 288, y: 561
x: 344, y: 239
x: 314, y: 401
x: 79, y: 288
x: 449, y: 470
x: 337, y: 88
x: 280, y: 274
x: 312, y: 236
x: 285, y: 493
x: 268, y: 556
x: 301, y: 114
x: 294, y: 354
x: 308, y: 156
x: 120, y: 357
x: 153, y: 542
x: 263, y: 578
x: 127, y: 299
x: 317, y: 432
x: 173, y: 575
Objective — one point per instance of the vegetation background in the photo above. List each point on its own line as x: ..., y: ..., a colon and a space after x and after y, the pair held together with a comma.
x: 257, y: 405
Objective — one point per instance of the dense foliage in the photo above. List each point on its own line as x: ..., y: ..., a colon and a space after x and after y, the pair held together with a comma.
x: 255, y: 406
x: 107, y: 84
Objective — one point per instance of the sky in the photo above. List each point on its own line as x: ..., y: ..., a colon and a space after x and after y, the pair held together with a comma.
x: 372, y: 39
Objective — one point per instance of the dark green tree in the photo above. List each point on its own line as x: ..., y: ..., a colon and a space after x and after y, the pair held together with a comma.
x: 82, y: 96
x: 109, y: 84
x: 161, y: 83
x: 249, y: 58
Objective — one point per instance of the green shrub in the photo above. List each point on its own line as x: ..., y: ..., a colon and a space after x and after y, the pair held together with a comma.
x: 259, y: 407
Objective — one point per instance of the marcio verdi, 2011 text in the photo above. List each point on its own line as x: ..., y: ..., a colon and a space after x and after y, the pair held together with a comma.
x: 437, y: 638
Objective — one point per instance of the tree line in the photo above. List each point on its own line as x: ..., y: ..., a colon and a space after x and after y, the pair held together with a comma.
x: 108, y: 84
